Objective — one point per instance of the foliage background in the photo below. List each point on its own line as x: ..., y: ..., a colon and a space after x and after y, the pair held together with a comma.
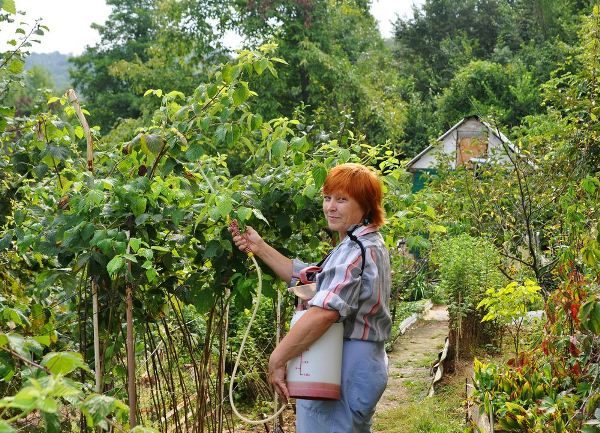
x: 187, y: 134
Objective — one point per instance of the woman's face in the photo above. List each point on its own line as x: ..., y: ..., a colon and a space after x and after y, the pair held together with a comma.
x: 341, y: 212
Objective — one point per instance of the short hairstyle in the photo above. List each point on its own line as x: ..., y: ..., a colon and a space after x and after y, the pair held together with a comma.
x: 360, y: 183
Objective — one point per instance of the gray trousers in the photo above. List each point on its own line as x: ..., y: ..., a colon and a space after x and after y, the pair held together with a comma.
x: 364, y: 377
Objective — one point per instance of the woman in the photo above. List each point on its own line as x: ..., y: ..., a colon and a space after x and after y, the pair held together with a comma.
x: 353, y: 286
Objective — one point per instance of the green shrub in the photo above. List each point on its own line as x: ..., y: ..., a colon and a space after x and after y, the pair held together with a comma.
x: 468, y: 267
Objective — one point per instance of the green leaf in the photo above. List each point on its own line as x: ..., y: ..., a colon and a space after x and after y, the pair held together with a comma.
x: 12, y: 315
x: 213, y: 249
x: 27, y: 399
x: 44, y: 340
x: 7, y: 366
x: 279, y: 148
x: 194, y: 152
x: 212, y: 90
x: 6, y: 427
x: 319, y: 173
x: 59, y: 153
x: 258, y: 214
x: 3, y: 340
x: 257, y: 121
x: 23, y: 346
x: 63, y: 362
x: 344, y: 155
x: 115, y: 265
x: 10, y: 7
x: 436, y: 228
x: 151, y: 274
x: 129, y: 257
x: 261, y: 65
x: 589, y: 314
x: 79, y: 133
x: 97, y: 407
x: 221, y: 133
x: 106, y: 246
x: 52, y: 422
x: 151, y: 143
x: 135, y: 243
x: 146, y: 252
x: 174, y: 94
x: 16, y: 66
x: 138, y: 204
x: 241, y: 94
x: 224, y: 205
x: 244, y: 214
x: 590, y: 184
x: 230, y: 73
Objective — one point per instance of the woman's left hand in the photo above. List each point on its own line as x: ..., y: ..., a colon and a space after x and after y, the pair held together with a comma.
x: 277, y: 379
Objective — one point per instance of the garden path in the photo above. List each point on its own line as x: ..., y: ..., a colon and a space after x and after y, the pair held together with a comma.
x: 410, y: 362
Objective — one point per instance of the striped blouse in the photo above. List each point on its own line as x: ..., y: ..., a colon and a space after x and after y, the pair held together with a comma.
x: 363, y: 302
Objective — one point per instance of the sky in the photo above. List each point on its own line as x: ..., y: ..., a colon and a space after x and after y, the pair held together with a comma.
x: 69, y: 21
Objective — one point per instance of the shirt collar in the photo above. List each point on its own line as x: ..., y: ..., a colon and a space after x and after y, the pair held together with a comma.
x: 361, y: 230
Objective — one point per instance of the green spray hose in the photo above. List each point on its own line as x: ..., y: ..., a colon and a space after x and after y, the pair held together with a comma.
x: 236, y: 231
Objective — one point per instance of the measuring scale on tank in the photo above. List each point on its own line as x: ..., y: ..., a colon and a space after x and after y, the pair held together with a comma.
x: 316, y: 373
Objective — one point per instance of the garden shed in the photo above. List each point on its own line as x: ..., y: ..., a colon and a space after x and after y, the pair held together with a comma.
x: 469, y: 143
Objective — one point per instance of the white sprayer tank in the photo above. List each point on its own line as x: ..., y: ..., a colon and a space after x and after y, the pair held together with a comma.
x: 316, y: 374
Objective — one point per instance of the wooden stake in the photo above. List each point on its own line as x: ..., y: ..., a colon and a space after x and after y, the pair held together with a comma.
x: 223, y: 355
x: 130, y: 344
x: 86, y: 128
x: 97, y: 364
x: 131, y: 391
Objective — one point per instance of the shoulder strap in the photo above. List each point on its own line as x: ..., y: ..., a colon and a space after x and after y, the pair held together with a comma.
x: 363, y: 251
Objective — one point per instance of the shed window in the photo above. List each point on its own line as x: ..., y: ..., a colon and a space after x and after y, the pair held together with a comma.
x: 469, y: 148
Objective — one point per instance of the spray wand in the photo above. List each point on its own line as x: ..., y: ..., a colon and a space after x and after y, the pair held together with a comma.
x: 235, y: 230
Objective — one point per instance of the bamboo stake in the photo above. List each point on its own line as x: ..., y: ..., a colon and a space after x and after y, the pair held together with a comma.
x: 90, y: 165
x: 222, y: 355
x: 130, y: 345
x: 86, y: 128
x: 97, y: 364
x: 277, y: 421
x: 131, y: 391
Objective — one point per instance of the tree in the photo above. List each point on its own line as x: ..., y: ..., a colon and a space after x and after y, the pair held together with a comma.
x: 509, y: 306
x: 33, y: 92
x: 343, y: 80
x: 505, y: 93
x: 429, y: 42
x: 126, y: 35
x: 147, y: 44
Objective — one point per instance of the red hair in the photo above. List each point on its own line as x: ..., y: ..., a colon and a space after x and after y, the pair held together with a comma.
x: 360, y: 183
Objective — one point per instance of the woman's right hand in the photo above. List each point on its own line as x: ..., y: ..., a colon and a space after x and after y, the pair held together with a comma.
x: 249, y: 240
